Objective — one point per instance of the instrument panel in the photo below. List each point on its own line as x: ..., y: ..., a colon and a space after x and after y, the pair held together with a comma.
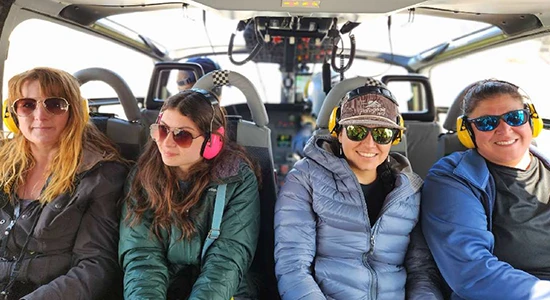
x: 285, y: 122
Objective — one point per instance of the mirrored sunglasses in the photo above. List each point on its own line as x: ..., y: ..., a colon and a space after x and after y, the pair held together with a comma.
x: 380, y: 135
x: 182, y: 137
x: 513, y: 118
x: 24, y: 107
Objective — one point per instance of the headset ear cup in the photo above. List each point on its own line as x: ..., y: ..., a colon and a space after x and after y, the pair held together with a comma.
x: 463, y: 133
x: 333, y: 126
x: 213, y: 144
x: 8, y: 118
x: 400, y: 133
x: 11, y: 123
x: 85, y: 109
x: 536, y: 122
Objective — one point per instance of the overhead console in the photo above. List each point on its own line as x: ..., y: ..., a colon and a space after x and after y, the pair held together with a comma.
x: 293, y: 26
x: 290, y: 40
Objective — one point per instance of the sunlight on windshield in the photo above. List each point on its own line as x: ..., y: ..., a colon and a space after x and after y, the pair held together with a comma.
x: 59, y: 47
x: 184, y: 29
x: 411, y: 34
x: 526, y: 64
x: 181, y: 28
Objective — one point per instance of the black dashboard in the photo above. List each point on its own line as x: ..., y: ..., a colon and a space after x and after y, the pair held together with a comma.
x: 285, y: 122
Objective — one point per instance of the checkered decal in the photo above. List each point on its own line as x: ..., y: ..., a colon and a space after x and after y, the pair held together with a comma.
x: 373, y: 82
x: 221, y: 77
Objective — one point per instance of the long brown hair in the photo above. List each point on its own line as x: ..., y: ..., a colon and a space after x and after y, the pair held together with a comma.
x: 77, y: 135
x: 156, y: 186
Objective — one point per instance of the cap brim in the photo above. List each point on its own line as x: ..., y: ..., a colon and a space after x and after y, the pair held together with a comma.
x: 371, y: 121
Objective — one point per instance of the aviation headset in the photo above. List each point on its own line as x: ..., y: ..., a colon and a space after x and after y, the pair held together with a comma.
x: 213, y: 143
x: 10, y: 118
x: 464, y: 129
x: 333, y: 123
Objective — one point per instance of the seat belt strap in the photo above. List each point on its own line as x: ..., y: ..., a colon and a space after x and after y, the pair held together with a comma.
x: 219, y: 206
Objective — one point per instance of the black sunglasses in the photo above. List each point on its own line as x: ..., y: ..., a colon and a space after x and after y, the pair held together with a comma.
x: 24, y: 107
x: 183, y: 138
x: 513, y: 118
x: 380, y: 135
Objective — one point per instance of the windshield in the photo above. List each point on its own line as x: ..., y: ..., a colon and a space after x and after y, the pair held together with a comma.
x: 183, y: 28
x: 407, y: 30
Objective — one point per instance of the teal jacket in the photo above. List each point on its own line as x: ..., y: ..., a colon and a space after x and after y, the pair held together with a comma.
x: 150, y: 264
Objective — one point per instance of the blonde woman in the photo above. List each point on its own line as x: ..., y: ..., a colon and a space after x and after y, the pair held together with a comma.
x: 60, y: 181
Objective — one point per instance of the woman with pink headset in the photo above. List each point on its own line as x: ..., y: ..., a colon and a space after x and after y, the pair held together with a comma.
x: 190, y: 223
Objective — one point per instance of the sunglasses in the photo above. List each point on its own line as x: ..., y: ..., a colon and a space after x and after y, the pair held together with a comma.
x: 513, y: 118
x: 24, y: 107
x: 182, y: 137
x: 380, y: 135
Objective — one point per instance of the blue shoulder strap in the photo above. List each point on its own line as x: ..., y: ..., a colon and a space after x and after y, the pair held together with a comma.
x: 219, y: 206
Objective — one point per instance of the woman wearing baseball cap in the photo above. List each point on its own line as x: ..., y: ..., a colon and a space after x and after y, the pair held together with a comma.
x: 345, y: 216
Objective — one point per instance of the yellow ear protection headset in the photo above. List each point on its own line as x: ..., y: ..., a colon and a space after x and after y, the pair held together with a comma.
x: 10, y: 118
x: 333, y: 126
x: 463, y: 127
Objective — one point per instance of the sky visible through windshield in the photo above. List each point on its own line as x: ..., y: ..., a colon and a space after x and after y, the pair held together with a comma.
x: 184, y: 28
x: 526, y: 64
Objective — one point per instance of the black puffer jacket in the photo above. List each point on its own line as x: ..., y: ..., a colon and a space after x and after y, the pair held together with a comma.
x: 72, y: 253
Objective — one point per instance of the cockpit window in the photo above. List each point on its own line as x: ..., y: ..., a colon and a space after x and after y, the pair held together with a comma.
x: 49, y: 46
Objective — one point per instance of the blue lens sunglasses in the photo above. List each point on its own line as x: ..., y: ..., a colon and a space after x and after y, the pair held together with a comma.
x: 513, y: 118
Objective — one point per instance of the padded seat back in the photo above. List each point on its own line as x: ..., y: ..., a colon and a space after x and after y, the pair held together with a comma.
x: 422, y: 143
x: 448, y: 142
x: 129, y: 135
x: 255, y: 137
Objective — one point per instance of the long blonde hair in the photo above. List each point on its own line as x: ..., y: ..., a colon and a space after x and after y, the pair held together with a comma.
x: 77, y: 135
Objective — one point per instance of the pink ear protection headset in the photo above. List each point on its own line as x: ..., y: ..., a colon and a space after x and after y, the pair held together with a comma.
x: 213, y: 142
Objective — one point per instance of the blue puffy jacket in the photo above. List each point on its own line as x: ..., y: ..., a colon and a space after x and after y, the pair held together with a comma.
x: 457, y: 203
x: 325, y: 247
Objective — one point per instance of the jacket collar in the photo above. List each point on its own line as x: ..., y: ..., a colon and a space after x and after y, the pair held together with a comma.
x: 228, y: 171
x: 536, y: 152
x: 323, y: 149
x: 473, y: 167
x: 89, y: 160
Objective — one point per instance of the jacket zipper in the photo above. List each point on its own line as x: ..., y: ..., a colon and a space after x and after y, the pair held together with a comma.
x: 10, y: 226
x: 374, y: 276
x: 373, y: 230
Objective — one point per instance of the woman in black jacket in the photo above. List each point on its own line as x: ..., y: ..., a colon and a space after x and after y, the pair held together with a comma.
x: 60, y: 181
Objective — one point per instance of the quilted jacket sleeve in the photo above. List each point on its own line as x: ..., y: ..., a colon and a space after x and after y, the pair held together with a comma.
x: 295, y: 234
x: 229, y: 257
x: 143, y: 260
x: 423, y: 278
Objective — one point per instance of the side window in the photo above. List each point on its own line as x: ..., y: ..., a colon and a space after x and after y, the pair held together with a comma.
x: 526, y: 64
x: 411, y: 96
x: 407, y: 94
x: 264, y: 76
x: 56, y: 46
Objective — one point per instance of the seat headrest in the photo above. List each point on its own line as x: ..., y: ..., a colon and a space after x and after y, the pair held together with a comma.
x: 225, y: 77
x: 455, y: 110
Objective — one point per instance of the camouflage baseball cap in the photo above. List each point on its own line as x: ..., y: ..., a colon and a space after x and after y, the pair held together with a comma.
x: 370, y: 105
